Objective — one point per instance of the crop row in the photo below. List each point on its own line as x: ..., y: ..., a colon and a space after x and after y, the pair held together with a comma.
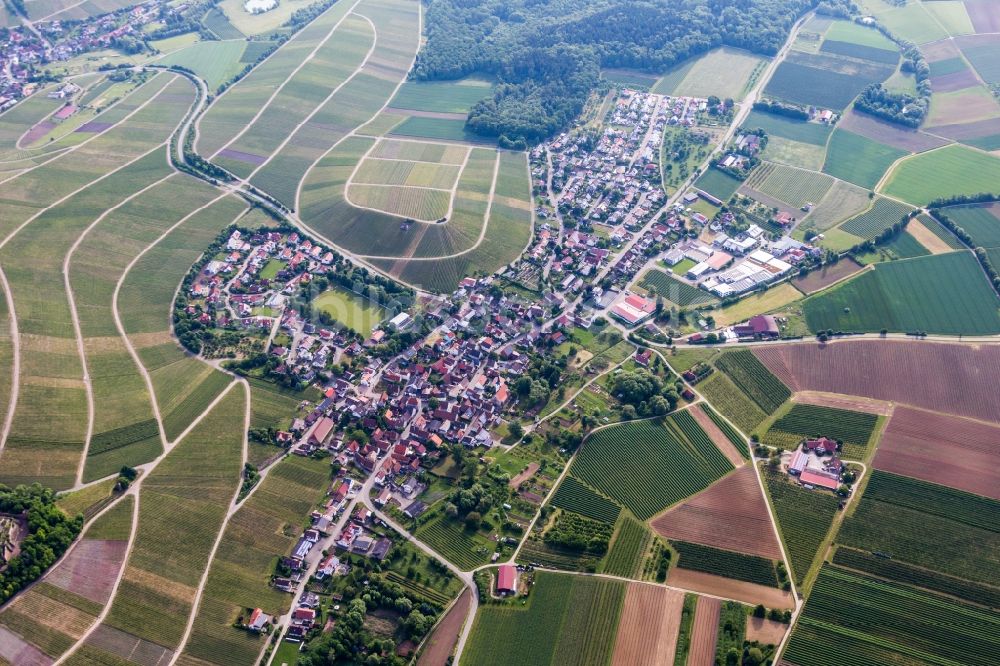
x: 901, y: 572
x: 804, y: 518
x: 452, y: 542
x: 754, y: 379
x: 628, y: 548
x: 731, y: 401
x: 934, y: 499
x: 882, y: 215
x: 917, y: 626
x: 644, y: 466
x: 573, y: 495
x: 840, y: 424
x: 429, y: 593
x: 750, y: 568
x: 554, y: 557
x: 728, y: 430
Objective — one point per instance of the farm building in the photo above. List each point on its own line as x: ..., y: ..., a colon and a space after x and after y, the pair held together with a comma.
x: 760, y: 326
x: 507, y: 580
x: 634, y: 309
x: 820, y: 479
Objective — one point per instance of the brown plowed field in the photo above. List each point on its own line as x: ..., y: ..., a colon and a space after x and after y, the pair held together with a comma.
x: 889, y: 134
x: 727, y: 588
x: 822, y: 278
x: 730, y: 514
x: 717, y: 436
x: 942, y: 449
x: 516, y: 482
x: 765, y: 631
x: 442, y: 641
x: 705, y: 632
x: 952, y: 378
x: 90, y: 569
x: 984, y: 16
x: 647, y: 632
x: 927, y: 238
x: 851, y: 402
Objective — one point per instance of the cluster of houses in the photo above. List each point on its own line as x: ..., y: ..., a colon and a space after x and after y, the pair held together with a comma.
x: 23, y: 51
x: 815, y: 464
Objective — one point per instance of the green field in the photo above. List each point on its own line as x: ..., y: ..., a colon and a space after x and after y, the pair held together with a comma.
x: 576, y: 496
x: 852, y: 619
x: 854, y: 33
x: 405, y: 202
x: 192, y: 487
x: 854, y: 429
x: 857, y: 159
x: 578, y: 617
x: 789, y: 128
x: 441, y: 96
x: 851, y: 50
x: 355, y: 312
x: 447, y: 129
x: 804, y: 517
x: 944, y: 293
x: 663, y: 462
x: 755, y: 380
x: 723, y: 72
x: 977, y: 221
x: 732, y: 402
x: 749, y: 568
x: 823, y: 81
x: 928, y: 525
x: 796, y: 187
x: 941, y: 173
x: 216, y: 62
x: 719, y: 184
x: 883, y: 214
x: 465, y: 548
x: 628, y: 548
x: 675, y: 291
x: 986, y: 59
x: 266, y: 526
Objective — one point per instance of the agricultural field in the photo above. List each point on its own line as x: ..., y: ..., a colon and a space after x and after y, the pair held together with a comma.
x: 718, y: 183
x: 465, y: 548
x: 675, y: 291
x: 827, y: 275
x: 665, y: 462
x: 949, y: 171
x: 749, y: 568
x: 941, y: 449
x: 790, y: 141
x: 724, y: 72
x: 774, y: 299
x: 755, y: 380
x: 737, y: 440
x: 723, y: 394
x: 349, y: 309
x: 854, y: 429
x: 216, y: 62
x: 796, y: 187
x: 573, y: 495
x: 927, y: 525
x: 193, y: 487
x: 416, y: 203
x: 731, y: 514
x: 649, y: 626
x: 630, y: 543
x: 804, y: 518
x: 853, y: 619
x: 857, y: 159
x: 944, y: 293
x: 982, y: 223
x: 578, y: 615
x: 948, y: 378
x: 841, y: 202
x: 441, y: 96
x: 704, y: 630
x: 265, y: 527
x: 822, y: 80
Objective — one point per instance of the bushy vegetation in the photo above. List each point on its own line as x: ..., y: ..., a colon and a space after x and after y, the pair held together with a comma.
x: 900, y: 108
x: 547, y: 56
x: 575, y: 532
x: 49, y: 533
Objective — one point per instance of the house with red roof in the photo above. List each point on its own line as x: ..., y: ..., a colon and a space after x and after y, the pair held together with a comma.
x: 507, y: 580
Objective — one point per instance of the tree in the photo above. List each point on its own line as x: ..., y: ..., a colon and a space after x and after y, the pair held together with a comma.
x: 473, y: 519
x: 516, y: 430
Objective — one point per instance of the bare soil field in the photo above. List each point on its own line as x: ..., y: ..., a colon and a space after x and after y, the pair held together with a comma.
x: 886, y: 133
x: 705, y: 632
x: 931, y: 241
x: 442, y: 641
x: 17, y: 651
x: 955, y: 81
x: 850, y: 402
x: 984, y: 16
x: 764, y: 630
x: 730, y: 514
x: 647, y: 632
x: 942, y: 449
x: 129, y: 647
x: 945, y: 377
x: 974, y: 130
x: 524, y: 476
x: 90, y: 569
x: 717, y: 436
x: 748, y: 593
x: 827, y: 275
x: 943, y: 50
